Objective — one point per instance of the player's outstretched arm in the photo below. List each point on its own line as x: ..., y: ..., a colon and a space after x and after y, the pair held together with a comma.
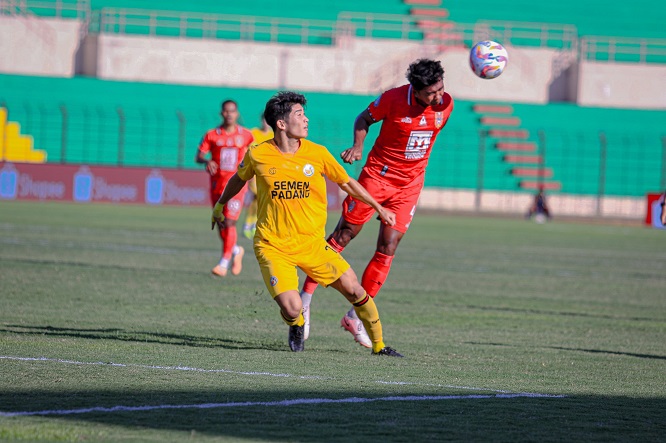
x: 361, y: 126
x: 356, y: 190
x: 233, y: 187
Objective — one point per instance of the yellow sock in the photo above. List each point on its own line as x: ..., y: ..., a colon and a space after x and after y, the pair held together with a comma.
x: 298, y: 321
x: 366, y: 309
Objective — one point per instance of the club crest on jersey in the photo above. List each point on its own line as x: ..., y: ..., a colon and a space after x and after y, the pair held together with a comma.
x: 239, y: 140
x: 423, y: 121
x: 273, y: 280
x: 439, y: 119
x: 406, y: 120
x: 308, y: 170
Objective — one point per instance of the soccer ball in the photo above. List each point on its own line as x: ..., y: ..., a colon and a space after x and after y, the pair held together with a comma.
x: 488, y: 59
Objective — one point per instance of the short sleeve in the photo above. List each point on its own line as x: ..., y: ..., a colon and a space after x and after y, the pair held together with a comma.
x: 204, y: 145
x: 245, y: 167
x: 379, y: 108
x: 334, y: 170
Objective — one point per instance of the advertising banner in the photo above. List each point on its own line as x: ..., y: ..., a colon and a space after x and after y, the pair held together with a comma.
x: 110, y: 184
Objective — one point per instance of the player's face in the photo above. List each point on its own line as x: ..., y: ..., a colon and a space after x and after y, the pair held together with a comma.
x: 230, y: 114
x: 431, y: 95
x: 297, y: 122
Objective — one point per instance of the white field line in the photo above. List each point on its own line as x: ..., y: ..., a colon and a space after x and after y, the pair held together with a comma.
x: 265, y: 374
x: 297, y: 401
x: 300, y: 401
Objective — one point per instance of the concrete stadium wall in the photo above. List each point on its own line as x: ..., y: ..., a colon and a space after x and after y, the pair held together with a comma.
x: 244, y: 64
x: 630, y: 208
x: 39, y: 46
x: 528, y: 77
x: 622, y: 85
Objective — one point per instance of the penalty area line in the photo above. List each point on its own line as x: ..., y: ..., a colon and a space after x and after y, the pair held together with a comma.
x: 294, y: 402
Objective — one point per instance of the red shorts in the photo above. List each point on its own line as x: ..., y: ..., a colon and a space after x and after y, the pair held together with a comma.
x: 233, y: 208
x: 399, y: 199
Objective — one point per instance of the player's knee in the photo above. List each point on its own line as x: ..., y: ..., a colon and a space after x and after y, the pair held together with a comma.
x: 388, y: 248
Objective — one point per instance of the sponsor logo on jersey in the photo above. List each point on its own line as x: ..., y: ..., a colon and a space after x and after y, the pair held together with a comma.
x: 418, y: 144
x: 423, y: 121
x: 234, y: 205
x: 406, y: 120
x: 439, y: 119
x: 290, y: 189
x: 219, y: 142
x: 308, y: 170
x: 239, y: 140
x: 273, y: 280
x: 272, y: 171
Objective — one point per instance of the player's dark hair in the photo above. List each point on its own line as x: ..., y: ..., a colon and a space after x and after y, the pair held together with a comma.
x: 424, y: 72
x: 226, y: 102
x: 279, y: 106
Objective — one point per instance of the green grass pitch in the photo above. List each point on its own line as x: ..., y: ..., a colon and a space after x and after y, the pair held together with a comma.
x: 112, y: 329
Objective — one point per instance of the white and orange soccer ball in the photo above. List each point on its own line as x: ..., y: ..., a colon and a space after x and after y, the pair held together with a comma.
x: 488, y: 59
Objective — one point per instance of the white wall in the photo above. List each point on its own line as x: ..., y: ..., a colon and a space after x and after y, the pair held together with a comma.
x: 622, y: 85
x: 39, y: 46
x: 349, y: 67
x: 630, y: 208
x: 527, y: 77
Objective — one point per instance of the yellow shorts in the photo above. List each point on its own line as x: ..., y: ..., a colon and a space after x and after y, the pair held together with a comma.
x: 278, y: 268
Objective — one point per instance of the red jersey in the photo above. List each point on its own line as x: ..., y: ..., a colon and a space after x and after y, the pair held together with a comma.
x: 408, y: 132
x: 227, y: 149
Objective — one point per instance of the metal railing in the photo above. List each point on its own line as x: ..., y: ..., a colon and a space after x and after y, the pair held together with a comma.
x: 216, y: 26
x: 543, y: 35
x: 617, y: 49
x: 74, y: 9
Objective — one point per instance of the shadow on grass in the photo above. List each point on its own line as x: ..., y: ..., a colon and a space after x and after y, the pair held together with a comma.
x: 558, y: 313
x: 299, y: 414
x: 562, y: 348
x: 141, y: 336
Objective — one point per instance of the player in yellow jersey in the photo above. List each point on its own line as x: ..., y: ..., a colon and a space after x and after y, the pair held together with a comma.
x: 292, y: 209
x: 260, y: 135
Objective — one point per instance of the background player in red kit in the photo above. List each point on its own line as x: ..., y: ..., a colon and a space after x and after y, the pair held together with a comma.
x: 226, y: 145
x: 412, y: 115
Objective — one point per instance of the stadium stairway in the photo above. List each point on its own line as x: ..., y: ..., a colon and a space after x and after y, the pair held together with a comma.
x: 519, y: 153
x: 432, y: 19
x: 14, y: 146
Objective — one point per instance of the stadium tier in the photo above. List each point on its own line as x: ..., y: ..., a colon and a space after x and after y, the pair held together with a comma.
x: 640, y: 18
x: 300, y: 9
x: 495, y: 146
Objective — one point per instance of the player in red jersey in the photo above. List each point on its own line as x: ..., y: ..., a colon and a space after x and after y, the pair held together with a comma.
x: 226, y: 145
x: 412, y: 115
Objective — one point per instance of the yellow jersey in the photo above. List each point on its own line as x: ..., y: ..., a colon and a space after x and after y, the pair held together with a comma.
x: 291, y: 192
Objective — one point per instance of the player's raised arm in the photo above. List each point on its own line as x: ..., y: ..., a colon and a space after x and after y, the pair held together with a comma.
x: 233, y: 187
x: 361, y: 126
x: 354, y: 188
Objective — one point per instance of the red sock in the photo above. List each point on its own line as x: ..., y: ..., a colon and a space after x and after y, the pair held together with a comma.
x: 310, y: 285
x: 229, y: 237
x: 376, y: 272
